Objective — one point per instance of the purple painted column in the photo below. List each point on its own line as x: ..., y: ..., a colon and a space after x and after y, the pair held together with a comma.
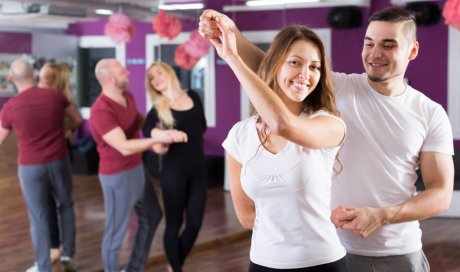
x: 15, y: 43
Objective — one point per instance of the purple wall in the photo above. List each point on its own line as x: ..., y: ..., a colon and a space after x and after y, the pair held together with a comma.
x: 3, y: 100
x: 227, y: 109
x: 15, y: 43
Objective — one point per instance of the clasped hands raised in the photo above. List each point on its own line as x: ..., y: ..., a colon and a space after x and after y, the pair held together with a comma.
x: 220, y: 30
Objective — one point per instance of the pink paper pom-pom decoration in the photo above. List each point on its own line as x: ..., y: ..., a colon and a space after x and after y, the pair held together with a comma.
x: 197, y: 46
x: 166, y: 26
x: 183, y: 59
x: 119, y: 28
x: 451, y: 13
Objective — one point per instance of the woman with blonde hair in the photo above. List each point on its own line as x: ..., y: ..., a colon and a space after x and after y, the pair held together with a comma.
x: 182, y: 175
x: 281, y: 159
x: 57, y: 76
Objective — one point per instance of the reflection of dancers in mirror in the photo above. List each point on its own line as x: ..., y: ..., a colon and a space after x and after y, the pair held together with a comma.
x: 182, y: 177
x: 281, y: 159
x: 57, y: 76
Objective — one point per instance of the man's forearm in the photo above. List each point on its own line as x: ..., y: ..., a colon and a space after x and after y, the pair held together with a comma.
x: 249, y: 52
x: 424, y: 205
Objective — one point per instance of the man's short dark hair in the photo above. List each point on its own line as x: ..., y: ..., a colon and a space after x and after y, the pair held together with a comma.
x: 392, y: 14
x: 397, y: 15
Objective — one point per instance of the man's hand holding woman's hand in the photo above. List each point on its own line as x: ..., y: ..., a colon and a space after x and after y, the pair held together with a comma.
x: 166, y: 137
x: 362, y: 221
x: 169, y: 136
x: 177, y: 136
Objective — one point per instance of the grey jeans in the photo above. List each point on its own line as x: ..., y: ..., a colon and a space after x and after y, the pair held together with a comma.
x: 412, y: 262
x: 123, y: 192
x: 37, y: 181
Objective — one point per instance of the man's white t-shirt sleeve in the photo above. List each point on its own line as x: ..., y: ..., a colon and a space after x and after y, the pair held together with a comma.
x: 339, y: 80
x: 439, y: 137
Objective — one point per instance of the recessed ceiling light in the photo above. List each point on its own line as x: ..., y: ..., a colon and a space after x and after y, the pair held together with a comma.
x: 255, y: 3
x: 181, y: 6
x: 103, y: 11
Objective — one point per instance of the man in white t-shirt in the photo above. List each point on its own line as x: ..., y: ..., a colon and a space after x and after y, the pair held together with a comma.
x: 392, y: 130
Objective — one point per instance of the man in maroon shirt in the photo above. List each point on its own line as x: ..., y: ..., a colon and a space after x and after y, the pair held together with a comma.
x: 115, y: 125
x: 37, y: 117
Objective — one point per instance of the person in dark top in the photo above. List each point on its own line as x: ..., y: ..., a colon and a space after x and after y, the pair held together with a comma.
x: 182, y: 177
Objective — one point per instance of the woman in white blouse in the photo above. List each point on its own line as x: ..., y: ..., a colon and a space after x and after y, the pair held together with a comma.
x: 281, y: 160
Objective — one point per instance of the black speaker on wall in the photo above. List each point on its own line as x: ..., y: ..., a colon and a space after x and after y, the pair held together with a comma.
x: 345, y: 17
x: 425, y: 13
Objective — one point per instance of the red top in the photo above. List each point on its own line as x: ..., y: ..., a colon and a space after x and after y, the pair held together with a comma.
x: 37, y: 117
x: 106, y: 115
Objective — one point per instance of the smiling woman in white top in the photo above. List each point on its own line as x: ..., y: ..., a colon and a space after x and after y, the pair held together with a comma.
x: 281, y: 160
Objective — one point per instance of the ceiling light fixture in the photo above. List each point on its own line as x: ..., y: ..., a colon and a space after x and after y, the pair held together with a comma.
x: 181, y: 6
x: 258, y: 3
x: 261, y: 5
x: 103, y: 11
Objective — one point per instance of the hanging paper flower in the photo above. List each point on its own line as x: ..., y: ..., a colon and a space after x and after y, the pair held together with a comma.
x: 119, y: 28
x: 166, y: 26
x: 197, y: 46
x: 183, y: 59
x: 451, y: 13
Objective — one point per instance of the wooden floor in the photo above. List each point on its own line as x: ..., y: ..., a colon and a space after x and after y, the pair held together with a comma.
x: 222, y: 244
x: 220, y: 225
